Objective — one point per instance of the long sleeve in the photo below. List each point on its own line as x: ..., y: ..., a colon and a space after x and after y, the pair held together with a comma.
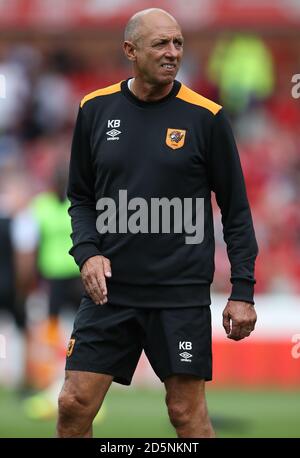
x: 81, y: 195
x: 227, y: 181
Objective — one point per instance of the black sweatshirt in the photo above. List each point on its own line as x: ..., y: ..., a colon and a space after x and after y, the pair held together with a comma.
x: 178, y: 147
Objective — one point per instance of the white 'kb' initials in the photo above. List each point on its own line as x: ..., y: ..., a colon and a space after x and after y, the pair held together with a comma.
x: 185, y: 345
x: 113, y: 123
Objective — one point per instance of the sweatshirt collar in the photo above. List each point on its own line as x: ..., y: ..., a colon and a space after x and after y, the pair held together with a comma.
x: 133, y: 99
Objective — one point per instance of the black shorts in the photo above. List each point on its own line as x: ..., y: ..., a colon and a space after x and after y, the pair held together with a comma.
x: 109, y: 339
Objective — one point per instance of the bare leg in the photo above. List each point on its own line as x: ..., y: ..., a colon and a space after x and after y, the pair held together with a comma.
x: 187, y: 408
x: 79, y: 401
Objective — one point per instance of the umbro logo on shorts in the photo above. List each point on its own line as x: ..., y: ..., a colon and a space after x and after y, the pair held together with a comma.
x: 185, y: 356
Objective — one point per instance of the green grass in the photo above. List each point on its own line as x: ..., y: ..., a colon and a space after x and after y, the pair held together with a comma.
x: 135, y: 412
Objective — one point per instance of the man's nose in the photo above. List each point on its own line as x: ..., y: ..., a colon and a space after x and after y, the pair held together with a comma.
x: 171, y: 50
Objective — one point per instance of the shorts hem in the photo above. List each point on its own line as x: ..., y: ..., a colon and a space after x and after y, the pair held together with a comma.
x: 207, y: 378
x: 97, y: 370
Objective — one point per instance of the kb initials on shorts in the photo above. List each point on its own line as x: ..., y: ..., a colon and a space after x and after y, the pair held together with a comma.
x: 185, y: 345
x: 113, y: 123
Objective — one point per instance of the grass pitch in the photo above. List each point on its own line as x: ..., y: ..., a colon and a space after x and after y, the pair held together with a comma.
x: 136, y: 412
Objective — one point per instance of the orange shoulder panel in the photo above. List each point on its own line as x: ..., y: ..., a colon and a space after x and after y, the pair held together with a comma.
x: 192, y: 97
x: 105, y: 91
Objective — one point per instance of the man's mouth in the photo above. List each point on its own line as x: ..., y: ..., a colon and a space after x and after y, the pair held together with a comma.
x: 169, y: 66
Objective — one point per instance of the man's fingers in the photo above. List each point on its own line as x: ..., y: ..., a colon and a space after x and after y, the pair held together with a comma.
x: 105, y: 271
x: 246, y: 330
x: 226, y: 322
x: 98, y: 285
x: 242, y: 318
x: 102, y: 283
x: 94, y: 290
x: 94, y: 273
x: 93, y: 287
x: 101, y: 289
x: 241, y: 336
x: 106, y: 267
x: 235, y: 331
x: 93, y: 296
x: 240, y: 331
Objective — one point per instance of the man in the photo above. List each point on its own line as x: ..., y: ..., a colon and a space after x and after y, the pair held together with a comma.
x: 141, y: 142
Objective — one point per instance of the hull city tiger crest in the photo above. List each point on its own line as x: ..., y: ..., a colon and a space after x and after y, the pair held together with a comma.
x: 70, y: 347
x: 175, y: 138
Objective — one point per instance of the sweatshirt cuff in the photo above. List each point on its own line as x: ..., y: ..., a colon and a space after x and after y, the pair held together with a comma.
x: 242, y: 290
x: 83, y: 252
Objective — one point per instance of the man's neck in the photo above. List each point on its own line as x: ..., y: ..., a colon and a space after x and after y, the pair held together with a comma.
x: 149, y: 92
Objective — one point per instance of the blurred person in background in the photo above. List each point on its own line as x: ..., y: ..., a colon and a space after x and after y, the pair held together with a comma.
x: 16, y: 261
x: 241, y: 66
x: 44, y: 226
x: 147, y: 291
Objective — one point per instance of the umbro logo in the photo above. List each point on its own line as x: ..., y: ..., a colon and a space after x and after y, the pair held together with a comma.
x: 185, y: 356
x: 114, y: 133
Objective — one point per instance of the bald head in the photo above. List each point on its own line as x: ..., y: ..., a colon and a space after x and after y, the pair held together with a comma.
x: 144, y: 20
x: 154, y: 45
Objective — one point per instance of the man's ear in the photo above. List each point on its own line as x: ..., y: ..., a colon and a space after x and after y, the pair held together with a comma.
x: 129, y: 50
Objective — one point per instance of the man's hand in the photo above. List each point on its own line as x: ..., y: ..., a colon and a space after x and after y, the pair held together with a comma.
x: 243, y: 318
x: 93, y: 274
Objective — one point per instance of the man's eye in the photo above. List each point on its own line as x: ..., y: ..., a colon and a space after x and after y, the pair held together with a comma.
x: 177, y: 43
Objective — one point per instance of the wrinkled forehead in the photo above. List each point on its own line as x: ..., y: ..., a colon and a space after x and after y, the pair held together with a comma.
x: 165, y: 33
x: 159, y: 27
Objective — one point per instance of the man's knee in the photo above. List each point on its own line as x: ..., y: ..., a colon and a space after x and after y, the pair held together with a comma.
x: 187, y: 412
x: 73, y: 405
x: 180, y: 413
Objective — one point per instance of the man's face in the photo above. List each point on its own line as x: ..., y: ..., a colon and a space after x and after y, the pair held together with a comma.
x: 159, y: 52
